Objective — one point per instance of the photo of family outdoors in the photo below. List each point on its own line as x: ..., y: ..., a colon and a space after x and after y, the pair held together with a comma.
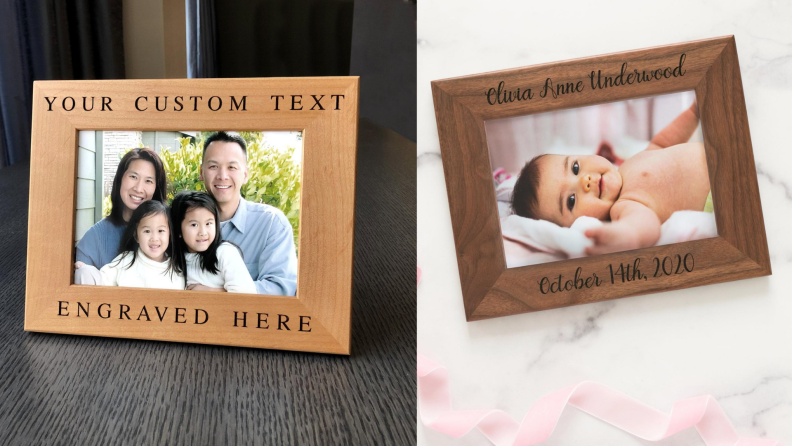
x: 188, y: 210
x: 600, y: 179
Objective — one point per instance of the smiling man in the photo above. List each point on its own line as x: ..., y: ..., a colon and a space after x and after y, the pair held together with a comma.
x: 262, y: 232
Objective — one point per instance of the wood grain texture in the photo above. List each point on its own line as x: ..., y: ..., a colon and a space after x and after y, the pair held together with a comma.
x: 82, y: 390
x: 731, y: 161
x: 327, y: 207
x: 489, y: 289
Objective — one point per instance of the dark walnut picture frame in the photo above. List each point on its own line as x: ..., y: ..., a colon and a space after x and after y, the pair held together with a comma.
x: 324, y: 109
x: 463, y: 104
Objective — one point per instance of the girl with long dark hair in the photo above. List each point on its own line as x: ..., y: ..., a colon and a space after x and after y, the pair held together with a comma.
x: 208, y: 263
x: 146, y: 258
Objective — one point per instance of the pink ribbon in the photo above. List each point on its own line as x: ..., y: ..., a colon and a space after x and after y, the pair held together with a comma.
x: 703, y: 413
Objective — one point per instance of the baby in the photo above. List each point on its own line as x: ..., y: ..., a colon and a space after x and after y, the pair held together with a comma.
x: 634, y: 200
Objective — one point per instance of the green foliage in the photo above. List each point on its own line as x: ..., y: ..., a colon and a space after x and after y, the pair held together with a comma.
x: 183, y: 167
x: 274, y: 179
x: 107, y: 206
x: 273, y: 176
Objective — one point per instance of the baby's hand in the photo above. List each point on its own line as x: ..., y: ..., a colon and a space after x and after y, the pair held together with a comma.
x: 611, y: 237
x: 78, y: 265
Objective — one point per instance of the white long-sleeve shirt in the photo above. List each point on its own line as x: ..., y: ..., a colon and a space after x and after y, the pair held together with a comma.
x: 144, y: 273
x: 233, y: 275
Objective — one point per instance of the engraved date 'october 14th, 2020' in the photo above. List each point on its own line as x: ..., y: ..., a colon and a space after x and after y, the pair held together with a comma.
x: 622, y: 273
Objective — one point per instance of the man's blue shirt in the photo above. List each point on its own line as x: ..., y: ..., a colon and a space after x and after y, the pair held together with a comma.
x: 265, y: 236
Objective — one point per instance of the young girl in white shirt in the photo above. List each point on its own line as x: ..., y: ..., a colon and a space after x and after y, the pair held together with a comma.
x: 146, y: 259
x: 209, y: 263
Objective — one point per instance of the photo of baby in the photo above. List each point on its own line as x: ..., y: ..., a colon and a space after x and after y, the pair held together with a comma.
x: 196, y: 211
x: 601, y: 179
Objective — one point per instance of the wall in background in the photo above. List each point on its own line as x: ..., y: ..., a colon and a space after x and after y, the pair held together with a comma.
x: 155, y: 39
x: 175, y: 38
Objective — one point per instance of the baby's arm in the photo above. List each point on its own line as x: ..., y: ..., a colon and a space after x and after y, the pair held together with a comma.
x: 679, y: 131
x: 633, y: 226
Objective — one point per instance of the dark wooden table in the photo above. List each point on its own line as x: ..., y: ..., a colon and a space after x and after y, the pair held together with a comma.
x: 77, y: 390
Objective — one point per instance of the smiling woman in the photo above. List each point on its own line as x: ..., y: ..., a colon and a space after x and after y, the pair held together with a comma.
x: 232, y: 224
x: 137, y: 186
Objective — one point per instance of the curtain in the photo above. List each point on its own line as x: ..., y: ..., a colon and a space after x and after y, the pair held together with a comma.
x: 269, y: 38
x: 48, y: 40
x: 201, y: 39
x: 384, y: 55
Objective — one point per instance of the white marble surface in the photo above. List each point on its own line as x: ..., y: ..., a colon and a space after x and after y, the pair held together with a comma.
x: 730, y: 340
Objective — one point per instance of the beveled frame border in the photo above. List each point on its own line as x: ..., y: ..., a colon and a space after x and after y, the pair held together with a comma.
x: 324, y: 291
x: 490, y: 289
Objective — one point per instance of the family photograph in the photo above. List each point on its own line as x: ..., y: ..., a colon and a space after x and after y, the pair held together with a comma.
x: 198, y: 211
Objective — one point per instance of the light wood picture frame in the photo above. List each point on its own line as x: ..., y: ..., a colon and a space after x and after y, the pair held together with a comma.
x: 324, y: 109
x: 463, y: 104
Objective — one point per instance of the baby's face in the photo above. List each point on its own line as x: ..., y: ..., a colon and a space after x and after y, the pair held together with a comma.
x: 574, y: 186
